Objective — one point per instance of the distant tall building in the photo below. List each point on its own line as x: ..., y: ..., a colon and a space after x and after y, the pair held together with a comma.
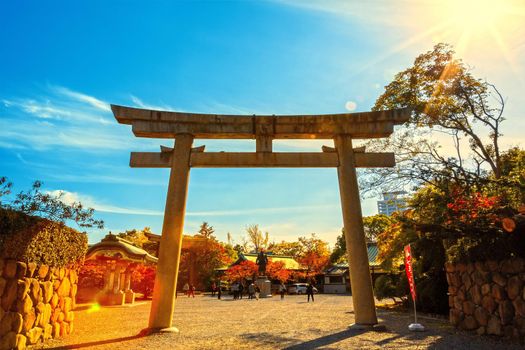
x: 392, y: 202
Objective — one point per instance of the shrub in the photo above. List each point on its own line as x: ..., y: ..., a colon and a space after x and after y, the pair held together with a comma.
x: 32, y: 239
x: 385, y: 287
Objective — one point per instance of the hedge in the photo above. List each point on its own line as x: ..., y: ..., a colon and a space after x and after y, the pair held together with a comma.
x: 33, y: 239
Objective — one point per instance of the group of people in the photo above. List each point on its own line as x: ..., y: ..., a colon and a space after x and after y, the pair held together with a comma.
x: 189, y: 290
x: 238, y: 289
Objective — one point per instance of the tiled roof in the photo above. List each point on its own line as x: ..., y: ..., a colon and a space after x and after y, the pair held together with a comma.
x: 341, y: 268
x: 112, y: 245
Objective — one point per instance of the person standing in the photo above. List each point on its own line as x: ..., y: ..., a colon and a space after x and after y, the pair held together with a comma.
x: 235, y: 291
x: 219, y: 291
x: 241, y: 289
x: 191, y: 291
x: 257, y: 291
x: 251, y: 290
x: 282, y: 290
x: 186, y: 288
x: 310, y: 292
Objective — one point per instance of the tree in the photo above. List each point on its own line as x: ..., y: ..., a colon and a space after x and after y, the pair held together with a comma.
x: 140, y: 239
x: 244, y: 270
x: 206, y: 230
x: 313, y: 244
x: 51, y: 206
x: 462, y: 199
x: 314, y: 256
x: 338, y: 254
x: 376, y: 224
x: 143, y: 279
x: 277, y: 271
x: 5, y: 188
x: 446, y: 100
x: 207, y: 257
x: 256, y: 237
x: 293, y: 249
x: 313, y: 263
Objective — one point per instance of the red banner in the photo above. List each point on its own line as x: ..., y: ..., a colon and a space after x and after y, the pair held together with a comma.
x: 410, y: 274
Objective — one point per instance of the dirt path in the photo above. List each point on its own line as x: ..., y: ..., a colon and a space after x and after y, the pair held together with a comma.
x: 208, y: 323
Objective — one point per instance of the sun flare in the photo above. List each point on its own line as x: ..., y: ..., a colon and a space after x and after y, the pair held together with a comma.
x: 476, y: 15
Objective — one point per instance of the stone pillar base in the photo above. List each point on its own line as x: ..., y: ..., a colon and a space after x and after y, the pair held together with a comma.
x: 265, y: 287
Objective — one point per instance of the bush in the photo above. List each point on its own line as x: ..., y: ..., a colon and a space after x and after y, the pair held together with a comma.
x: 386, y: 287
x: 32, y: 239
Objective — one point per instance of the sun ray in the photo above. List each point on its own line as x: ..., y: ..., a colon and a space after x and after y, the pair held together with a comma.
x: 403, y: 45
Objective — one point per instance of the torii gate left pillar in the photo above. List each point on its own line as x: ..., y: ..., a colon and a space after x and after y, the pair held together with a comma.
x: 163, y: 302
x: 184, y: 127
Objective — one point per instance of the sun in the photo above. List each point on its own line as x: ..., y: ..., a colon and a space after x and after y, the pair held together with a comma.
x: 473, y: 26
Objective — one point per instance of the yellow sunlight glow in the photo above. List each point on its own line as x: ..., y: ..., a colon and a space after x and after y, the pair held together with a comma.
x: 476, y: 15
x: 472, y: 27
x: 94, y: 308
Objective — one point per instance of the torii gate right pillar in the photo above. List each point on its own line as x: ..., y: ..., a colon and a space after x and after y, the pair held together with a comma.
x: 360, y: 280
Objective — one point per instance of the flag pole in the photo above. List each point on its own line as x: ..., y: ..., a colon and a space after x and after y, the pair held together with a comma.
x: 415, y: 327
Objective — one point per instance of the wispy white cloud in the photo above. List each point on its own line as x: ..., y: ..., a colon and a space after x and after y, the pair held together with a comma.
x: 62, y: 117
x: 141, y: 104
x: 88, y: 201
x: 245, y: 211
x: 93, y: 101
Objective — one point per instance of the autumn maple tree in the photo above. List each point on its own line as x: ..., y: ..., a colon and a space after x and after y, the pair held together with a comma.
x: 278, y: 271
x: 245, y: 270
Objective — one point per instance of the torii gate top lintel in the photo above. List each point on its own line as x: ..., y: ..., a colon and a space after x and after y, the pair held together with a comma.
x: 167, y: 124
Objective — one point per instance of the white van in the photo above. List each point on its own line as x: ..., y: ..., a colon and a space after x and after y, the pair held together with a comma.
x: 299, y: 288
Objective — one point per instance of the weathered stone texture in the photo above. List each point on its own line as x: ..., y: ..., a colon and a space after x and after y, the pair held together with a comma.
x: 514, y: 287
x: 36, y: 303
x: 481, y: 315
x: 488, y: 297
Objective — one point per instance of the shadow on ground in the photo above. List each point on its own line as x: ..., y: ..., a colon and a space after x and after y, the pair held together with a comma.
x: 99, y: 342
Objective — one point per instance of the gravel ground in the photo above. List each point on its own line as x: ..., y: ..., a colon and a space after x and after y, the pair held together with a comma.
x: 207, y: 323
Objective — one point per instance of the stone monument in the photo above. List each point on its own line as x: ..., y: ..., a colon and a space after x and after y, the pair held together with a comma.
x: 264, y: 284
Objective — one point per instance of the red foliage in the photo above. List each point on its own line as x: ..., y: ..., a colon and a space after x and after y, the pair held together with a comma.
x: 313, y: 263
x: 246, y: 269
x: 468, y: 209
x: 277, y: 271
x: 205, y: 258
x: 143, y: 279
x: 91, y: 274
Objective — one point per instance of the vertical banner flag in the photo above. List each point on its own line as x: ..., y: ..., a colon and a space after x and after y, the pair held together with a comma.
x: 410, y: 274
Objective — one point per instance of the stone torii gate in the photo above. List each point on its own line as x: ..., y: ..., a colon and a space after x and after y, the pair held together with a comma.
x: 185, y: 127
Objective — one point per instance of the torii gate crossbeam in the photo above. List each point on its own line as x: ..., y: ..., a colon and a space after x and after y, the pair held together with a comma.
x: 185, y: 127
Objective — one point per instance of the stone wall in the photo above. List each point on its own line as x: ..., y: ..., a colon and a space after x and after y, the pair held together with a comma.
x: 488, y: 297
x: 36, y: 303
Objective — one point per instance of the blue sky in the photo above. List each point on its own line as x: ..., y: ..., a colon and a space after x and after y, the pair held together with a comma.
x: 63, y: 63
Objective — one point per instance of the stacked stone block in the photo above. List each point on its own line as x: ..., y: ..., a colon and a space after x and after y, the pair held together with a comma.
x: 488, y: 297
x: 36, y: 303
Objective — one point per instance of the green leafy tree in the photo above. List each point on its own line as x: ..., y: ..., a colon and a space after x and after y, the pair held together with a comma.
x: 376, y: 224
x: 54, y: 207
x: 461, y: 196
x: 140, y: 239
x: 373, y: 225
x: 447, y: 101
x: 338, y: 254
